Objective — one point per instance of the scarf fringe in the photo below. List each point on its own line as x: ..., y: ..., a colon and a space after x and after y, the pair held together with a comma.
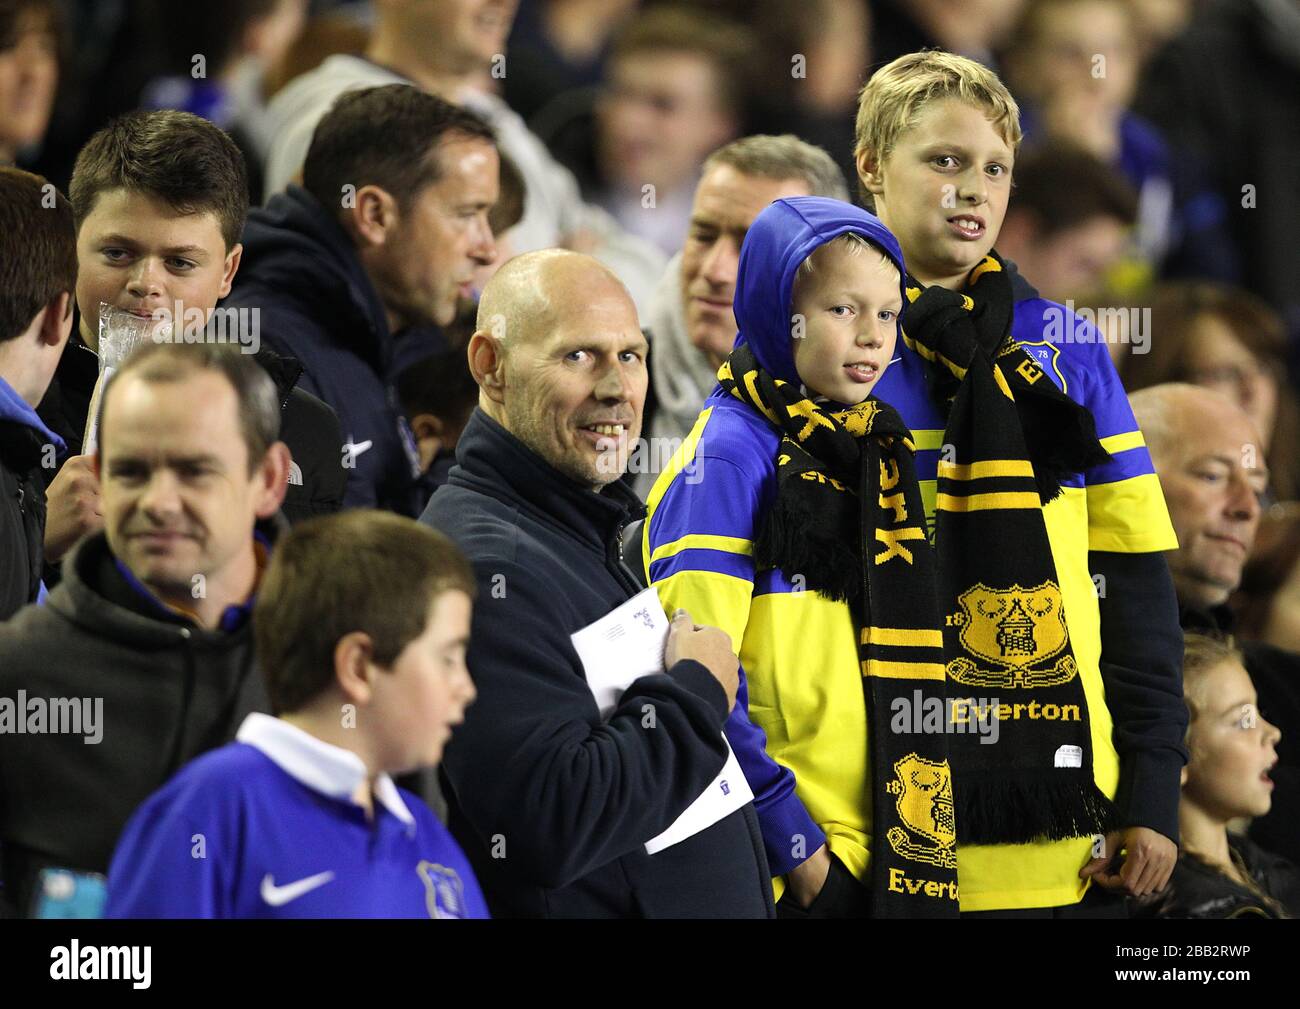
x: 1061, y: 439
x: 790, y: 540
x: 994, y: 810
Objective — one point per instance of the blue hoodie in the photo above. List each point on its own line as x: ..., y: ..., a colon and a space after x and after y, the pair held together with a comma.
x: 779, y: 240
x: 798, y: 648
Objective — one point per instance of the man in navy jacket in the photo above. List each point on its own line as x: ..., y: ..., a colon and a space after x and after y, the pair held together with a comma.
x: 552, y: 804
x: 354, y: 270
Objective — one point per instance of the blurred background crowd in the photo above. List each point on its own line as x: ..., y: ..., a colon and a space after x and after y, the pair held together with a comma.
x: 1153, y: 193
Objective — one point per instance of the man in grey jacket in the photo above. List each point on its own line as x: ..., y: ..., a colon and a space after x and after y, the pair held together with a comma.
x: 143, y: 658
x: 690, y: 321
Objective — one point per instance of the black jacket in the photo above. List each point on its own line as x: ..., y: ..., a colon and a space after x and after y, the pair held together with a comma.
x: 553, y: 805
x: 170, y: 691
x: 24, y: 447
x: 1197, y: 890
x: 307, y: 425
x: 318, y: 305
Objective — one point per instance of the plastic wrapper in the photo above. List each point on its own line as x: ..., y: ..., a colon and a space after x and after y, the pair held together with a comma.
x: 120, y: 333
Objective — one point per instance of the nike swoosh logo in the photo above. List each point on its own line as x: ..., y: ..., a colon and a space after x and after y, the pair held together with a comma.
x: 278, y: 895
x: 355, y: 449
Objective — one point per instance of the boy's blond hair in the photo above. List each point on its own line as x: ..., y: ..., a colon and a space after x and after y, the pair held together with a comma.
x: 894, y: 97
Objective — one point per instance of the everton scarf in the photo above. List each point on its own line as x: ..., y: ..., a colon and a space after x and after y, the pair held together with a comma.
x: 848, y: 516
x: 1012, y: 436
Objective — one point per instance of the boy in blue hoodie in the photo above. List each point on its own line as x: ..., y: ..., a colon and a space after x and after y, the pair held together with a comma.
x: 792, y: 517
x: 362, y: 623
x: 38, y: 273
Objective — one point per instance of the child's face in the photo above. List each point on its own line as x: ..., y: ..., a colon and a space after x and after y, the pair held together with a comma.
x: 1231, y: 747
x: 943, y: 190
x: 846, y: 322
x: 416, y: 703
x: 138, y: 254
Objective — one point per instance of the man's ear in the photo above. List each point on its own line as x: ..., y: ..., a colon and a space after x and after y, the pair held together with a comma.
x: 273, y: 479
x: 233, y: 258
x: 371, y: 217
x: 426, y: 425
x: 353, y: 657
x: 56, y: 321
x: 428, y: 431
x: 869, y: 172
x: 487, y: 364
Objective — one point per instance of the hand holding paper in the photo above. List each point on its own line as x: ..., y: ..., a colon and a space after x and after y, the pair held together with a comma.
x: 631, y: 641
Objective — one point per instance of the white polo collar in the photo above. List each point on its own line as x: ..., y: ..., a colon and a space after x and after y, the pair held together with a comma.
x: 321, y: 766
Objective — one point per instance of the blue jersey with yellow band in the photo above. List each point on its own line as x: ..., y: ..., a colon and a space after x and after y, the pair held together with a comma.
x: 798, y: 648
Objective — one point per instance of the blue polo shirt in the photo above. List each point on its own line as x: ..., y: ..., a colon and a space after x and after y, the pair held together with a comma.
x: 266, y: 827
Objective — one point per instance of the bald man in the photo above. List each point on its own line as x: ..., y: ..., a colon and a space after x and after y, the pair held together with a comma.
x: 553, y: 802
x: 1210, y: 461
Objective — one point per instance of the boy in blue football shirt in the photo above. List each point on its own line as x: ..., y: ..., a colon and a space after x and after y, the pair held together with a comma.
x: 362, y: 622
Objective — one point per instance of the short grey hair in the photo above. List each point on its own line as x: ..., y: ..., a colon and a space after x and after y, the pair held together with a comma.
x: 259, y: 400
x: 783, y: 157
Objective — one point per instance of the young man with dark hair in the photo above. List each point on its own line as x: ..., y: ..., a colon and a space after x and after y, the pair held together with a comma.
x: 38, y: 272
x: 350, y: 270
x: 142, y: 658
x: 160, y: 200
x: 365, y: 613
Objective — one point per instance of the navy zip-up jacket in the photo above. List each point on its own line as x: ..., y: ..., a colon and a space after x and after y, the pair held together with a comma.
x: 552, y: 804
x: 317, y: 305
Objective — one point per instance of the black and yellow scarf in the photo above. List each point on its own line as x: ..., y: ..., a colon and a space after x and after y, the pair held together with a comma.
x: 1011, y: 438
x: 848, y: 517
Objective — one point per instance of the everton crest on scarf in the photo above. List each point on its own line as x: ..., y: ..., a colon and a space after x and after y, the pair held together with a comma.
x: 1012, y: 437
x: 848, y: 516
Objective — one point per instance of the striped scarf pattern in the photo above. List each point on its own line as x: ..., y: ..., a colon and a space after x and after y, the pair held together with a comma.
x: 849, y: 518
x: 1011, y: 438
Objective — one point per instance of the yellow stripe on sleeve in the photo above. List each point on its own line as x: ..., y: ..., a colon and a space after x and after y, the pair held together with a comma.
x: 1129, y: 516
x: 1123, y: 442
x: 703, y: 541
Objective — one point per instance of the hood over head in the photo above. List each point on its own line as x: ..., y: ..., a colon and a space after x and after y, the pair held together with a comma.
x: 785, y: 234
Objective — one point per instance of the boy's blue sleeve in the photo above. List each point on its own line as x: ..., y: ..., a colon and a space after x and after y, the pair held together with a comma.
x: 172, y: 860
x: 698, y: 552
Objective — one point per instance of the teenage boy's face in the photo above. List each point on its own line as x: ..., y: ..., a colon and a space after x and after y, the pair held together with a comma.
x: 136, y: 253
x: 849, y: 308
x: 424, y: 696
x: 1231, y: 748
x: 943, y: 190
